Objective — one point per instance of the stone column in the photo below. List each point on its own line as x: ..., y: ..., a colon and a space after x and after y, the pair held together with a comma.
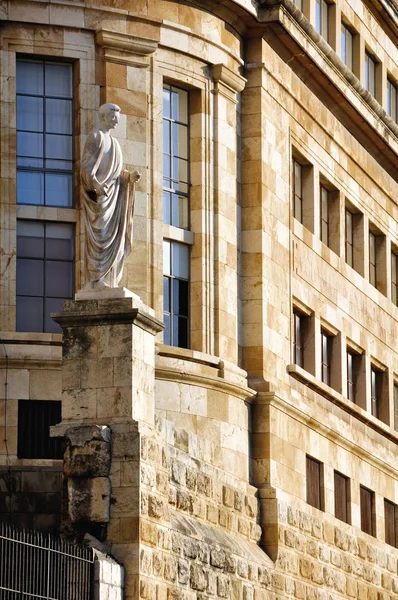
x: 108, y: 377
x: 226, y: 210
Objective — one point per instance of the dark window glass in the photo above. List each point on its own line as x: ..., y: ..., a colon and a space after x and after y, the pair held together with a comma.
x: 391, y: 100
x: 346, y: 46
x: 372, y: 259
x: 324, y: 215
x: 298, y: 339
x: 390, y: 523
x: 44, y: 133
x: 176, y: 293
x: 367, y: 516
x: 370, y: 74
x: 341, y: 497
x: 34, y: 420
x: 394, y: 278
x: 353, y: 361
x: 326, y: 355
x: 314, y: 495
x: 396, y: 407
x: 45, y: 255
x: 297, y: 191
x: 349, y: 238
x: 322, y: 18
x: 375, y: 376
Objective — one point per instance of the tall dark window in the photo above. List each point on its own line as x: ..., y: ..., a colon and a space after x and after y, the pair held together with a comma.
x: 176, y: 286
x: 341, y: 497
x: 297, y: 191
x: 298, y: 323
x: 44, y: 133
x: 322, y: 18
x: 349, y: 238
x: 396, y: 406
x: 375, y: 384
x: 394, y: 278
x: 372, y: 259
x: 314, y: 480
x: 370, y: 74
x: 45, y: 253
x: 351, y: 375
x: 324, y: 215
x: 346, y: 43
x: 326, y: 356
x: 390, y: 523
x: 34, y: 420
x: 367, y: 510
x: 391, y: 100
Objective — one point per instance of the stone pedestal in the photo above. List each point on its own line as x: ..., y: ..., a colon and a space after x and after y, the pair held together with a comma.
x: 108, y: 377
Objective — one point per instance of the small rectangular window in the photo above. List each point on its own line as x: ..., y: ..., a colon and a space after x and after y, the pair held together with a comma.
x: 375, y: 385
x: 396, y: 406
x: 322, y: 18
x: 314, y: 482
x: 349, y: 238
x: 298, y: 358
x: 326, y: 356
x: 297, y: 191
x: 390, y: 523
x: 394, y: 278
x: 299, y: 4
x: 352, y: 360
x: 324, y: 215
x: 370, y: 74
x: 367, y: 510
x: 341, y: 510
x: 34, y: 420
x: 372, y: 259
x: 391, y: 100
x: 346, y: 46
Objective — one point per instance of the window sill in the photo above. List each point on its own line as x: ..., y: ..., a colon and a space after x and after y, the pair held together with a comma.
x: 177, y: 234
x: 339, y: 400
x: 27, y: 338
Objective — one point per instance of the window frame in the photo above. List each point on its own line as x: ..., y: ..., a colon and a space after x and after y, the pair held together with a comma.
x: 297, y: 197
x: 324, y: 214
x: 314, y: 482
x: 367, y: 507
x: 370, y: 65
x: 394, y: 276
x: 391, y: 99
x: 34, y: 440
x: 390, y: 523
x: 176, y: 232
x: 326, y: 356
x: 46, y: 170
x: 341, y: 497
x: 346, y: 34
x: 322, y: 18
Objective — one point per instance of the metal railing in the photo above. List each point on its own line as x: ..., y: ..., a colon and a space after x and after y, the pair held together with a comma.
x: 35, y: 565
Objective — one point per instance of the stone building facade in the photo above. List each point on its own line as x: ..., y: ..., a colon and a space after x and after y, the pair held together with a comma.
x: 248, y: 450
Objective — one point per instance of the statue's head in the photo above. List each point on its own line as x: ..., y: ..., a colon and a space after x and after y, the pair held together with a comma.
x: 109, y: 115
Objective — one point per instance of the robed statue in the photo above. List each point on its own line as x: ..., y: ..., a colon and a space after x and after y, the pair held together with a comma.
x: 108, y: 204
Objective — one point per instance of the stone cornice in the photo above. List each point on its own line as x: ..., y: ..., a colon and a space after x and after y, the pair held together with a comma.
x: 274, y: 399
x: 125, y: 48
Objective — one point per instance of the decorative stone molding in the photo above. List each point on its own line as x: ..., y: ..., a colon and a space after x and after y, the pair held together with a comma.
x: 125, y: 48
x: 227, y: 82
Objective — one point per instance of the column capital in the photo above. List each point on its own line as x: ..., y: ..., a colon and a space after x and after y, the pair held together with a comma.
x: 124, y: 48
x: 228, y: 82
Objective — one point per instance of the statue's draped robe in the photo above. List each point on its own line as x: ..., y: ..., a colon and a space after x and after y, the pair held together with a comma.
x: 108, y: 218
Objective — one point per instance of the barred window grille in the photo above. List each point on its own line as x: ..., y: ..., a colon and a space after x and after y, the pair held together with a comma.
x: 34, y: 420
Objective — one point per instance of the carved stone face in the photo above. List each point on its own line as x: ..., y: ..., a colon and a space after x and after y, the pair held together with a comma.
x: 111, y: 117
